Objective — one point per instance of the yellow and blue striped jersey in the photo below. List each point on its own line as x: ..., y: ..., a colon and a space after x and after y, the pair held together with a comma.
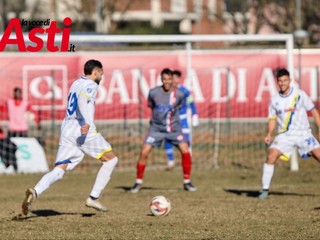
x: 291, y: 111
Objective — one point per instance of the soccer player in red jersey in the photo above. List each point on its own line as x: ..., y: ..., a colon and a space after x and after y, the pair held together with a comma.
x: 164, y: 102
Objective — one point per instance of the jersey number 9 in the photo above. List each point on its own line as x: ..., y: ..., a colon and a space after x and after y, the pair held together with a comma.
x: 72, y: 103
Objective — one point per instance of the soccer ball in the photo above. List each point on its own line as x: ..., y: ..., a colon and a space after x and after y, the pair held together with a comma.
x: 160, y: 206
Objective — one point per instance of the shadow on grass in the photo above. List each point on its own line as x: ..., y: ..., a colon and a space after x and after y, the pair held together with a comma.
x: 248, y: 193
x: 48, y: 213
x: 253, y: 193
x: 127, y: 189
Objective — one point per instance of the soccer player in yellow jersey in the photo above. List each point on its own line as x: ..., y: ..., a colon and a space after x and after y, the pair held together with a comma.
x: 288, y: 109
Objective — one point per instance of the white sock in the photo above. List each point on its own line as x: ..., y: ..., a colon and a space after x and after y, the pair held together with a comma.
x: 268, y: 170
x: 139, y: 181
x: 48, y: 179
x: 103, y: 177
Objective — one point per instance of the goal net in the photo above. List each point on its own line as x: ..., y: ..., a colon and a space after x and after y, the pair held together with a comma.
x: 231, y: 89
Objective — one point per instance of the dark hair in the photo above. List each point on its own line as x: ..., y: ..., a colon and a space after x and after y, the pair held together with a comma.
x: 17, y: 89
x: 283, y: 72
x: 176, y: 72
x: 90, y: 65
x: 166, y: 71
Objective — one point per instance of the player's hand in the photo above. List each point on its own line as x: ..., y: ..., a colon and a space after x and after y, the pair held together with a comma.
x: 195, y: 120
x: 267, y: 139
x: 84, y: 129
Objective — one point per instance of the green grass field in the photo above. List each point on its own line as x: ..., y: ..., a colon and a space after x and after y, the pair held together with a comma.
x: 224, y: 207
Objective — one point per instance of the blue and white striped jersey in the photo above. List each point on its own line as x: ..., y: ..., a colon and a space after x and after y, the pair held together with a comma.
x: 187, y: 102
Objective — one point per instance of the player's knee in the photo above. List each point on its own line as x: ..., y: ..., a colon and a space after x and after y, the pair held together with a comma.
x: 184, y: 148
x: 58, y: 172
x: 115, y: 160
x: 112, y: 162
x: 316, y: 156
x: 60, y: 176
x: 108, y: 156
x: 185, y: 151
x: 272, y: 156
x: 144, y: 152
x: 271, y: 160
x: 144, y: 156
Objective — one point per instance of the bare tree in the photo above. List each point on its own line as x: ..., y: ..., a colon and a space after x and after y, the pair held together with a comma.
x: 271, y: 16
x: 105, y: 10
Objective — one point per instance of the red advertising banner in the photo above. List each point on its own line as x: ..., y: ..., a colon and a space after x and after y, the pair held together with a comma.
x: 226, y: 84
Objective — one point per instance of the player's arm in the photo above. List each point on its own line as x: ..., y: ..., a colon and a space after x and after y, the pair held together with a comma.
x: 194, y: 111
x: 180, y: 98
x: 272, y: 123
x: 83, y: 101
x: 150, y: 101
x: 192, y: 105
x: 316, y: 116
x: 309, y: 106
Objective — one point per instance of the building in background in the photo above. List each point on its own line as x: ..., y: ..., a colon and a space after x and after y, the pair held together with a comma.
x: 172, y: 16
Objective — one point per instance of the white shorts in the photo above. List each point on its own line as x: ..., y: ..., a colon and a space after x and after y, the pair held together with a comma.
x: 71, y: 150
x: 305, y: 143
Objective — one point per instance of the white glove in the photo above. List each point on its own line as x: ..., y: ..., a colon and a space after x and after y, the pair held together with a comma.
x: 195, y: 120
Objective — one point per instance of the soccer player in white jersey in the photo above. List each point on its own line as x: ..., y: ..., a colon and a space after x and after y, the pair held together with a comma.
x: 289, y: 109
x: 79, y: 136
